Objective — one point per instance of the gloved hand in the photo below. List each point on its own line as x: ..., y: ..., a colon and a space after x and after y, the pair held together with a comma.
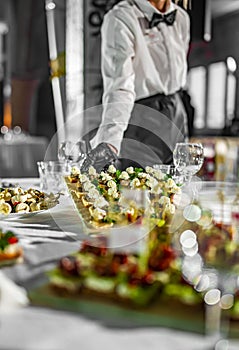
x: 99, y: 158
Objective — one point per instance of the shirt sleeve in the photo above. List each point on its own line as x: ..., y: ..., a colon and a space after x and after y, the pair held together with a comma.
x: 117, y: 55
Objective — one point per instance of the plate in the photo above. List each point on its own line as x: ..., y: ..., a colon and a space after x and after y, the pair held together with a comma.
x: 14, y: 216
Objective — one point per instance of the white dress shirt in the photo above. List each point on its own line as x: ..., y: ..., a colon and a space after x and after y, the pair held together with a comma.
x: 138, y: 62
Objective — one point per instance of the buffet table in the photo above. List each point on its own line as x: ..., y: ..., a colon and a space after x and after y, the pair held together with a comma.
x: 45, y: 238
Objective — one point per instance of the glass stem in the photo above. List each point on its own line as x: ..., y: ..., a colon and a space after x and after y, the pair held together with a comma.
x: 187, y: 178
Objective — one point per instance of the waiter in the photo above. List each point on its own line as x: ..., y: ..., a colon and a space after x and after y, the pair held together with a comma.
x: 144, y: 67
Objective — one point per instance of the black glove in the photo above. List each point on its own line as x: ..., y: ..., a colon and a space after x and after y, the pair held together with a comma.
x: 99, y: 158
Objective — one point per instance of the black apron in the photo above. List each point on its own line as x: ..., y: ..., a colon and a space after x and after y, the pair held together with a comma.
x: 157, y: 123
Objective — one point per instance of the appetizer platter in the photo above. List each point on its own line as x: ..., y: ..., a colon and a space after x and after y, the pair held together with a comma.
x: 112, y: 197
x: 10, y: 250
x: 16, y: 202
x: 146, y: 289
x: 137, y: 289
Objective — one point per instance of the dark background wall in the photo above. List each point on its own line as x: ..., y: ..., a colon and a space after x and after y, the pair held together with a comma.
x: 224, y: 43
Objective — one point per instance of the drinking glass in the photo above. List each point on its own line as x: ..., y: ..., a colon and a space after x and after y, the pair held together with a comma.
x: 71, y: 152
x: 52, y: 174
x: 188, y: 159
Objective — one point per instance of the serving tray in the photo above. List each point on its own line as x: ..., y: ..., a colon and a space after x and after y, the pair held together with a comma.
x: 88, y: 226
x: 163, y: 312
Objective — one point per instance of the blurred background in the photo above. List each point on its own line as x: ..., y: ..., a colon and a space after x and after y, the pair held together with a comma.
x: 50, y: 73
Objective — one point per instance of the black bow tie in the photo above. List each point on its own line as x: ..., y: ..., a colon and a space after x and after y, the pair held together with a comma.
x: 157, y: 18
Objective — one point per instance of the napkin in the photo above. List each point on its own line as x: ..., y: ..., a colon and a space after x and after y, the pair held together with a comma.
x: 12, y: 296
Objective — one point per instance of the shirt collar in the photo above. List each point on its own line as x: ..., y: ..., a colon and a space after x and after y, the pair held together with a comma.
x: 148, y: 9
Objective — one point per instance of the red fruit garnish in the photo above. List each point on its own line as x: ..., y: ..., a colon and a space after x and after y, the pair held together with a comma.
x: 120, y: 258
x: 87, y: 247
x: 145, y: 280
x: 69, y: 265
x: 129, y: 217
x: 148, y: 277
x: 12, y: 240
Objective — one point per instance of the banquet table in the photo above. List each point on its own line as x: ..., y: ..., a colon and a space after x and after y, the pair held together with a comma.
x: 45, y: 238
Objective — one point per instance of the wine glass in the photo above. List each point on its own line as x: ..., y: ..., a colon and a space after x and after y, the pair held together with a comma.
x: 71, y: 152
x: 204, y: 239
x: 188, y: 159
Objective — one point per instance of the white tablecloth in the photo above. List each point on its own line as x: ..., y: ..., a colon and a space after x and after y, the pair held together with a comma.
x: 46, y: 237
